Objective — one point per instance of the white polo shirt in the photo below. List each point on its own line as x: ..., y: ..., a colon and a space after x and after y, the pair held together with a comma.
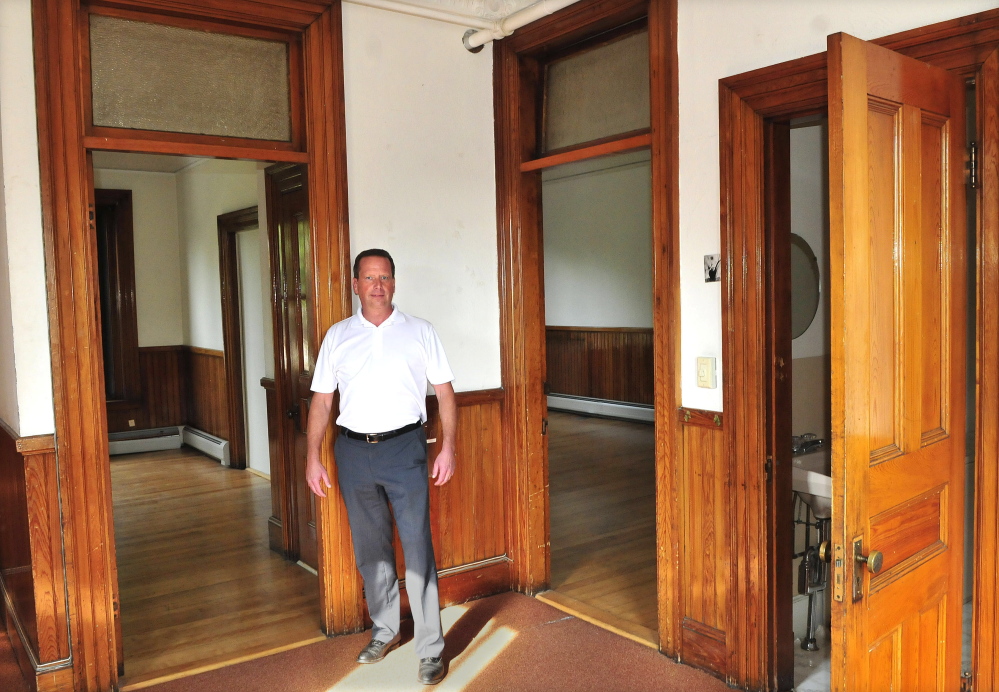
x: 381, y: 372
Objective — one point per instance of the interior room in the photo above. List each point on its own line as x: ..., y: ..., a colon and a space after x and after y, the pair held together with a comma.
x: 199, y: 581
x: 417, y: 141
x: 601, y: 446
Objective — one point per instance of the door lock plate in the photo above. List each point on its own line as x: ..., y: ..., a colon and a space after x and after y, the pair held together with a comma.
x: 839, y: 565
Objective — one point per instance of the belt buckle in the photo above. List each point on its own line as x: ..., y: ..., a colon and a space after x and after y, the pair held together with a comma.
x: 371, y: 438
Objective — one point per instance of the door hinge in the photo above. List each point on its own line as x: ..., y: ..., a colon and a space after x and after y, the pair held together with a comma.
x: 967, y: 682
x: 973, y: 165
x: 544, y: 426
x: 768, y: 468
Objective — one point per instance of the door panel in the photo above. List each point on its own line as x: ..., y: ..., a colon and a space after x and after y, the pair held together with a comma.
x: 289, y: 212
x: 897, y: 241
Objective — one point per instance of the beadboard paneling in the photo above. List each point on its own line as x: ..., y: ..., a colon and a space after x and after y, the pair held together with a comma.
x: 600, y: 363
x: 207, y: 401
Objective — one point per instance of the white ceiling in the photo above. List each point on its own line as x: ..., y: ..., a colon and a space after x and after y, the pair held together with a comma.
x: 154, y: 163
x: 490, y: 10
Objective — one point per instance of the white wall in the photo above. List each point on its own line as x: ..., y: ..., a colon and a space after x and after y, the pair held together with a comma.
x: 598, y: 242
x: 203, y: 192
x: 25, y: 365
x: 721, y: 38
x: 420, y: 157
x: 256, y: 323
x: 156, y: 235
x: 809, y: 219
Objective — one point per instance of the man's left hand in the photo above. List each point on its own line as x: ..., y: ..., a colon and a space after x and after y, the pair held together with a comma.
x: 443, y: 467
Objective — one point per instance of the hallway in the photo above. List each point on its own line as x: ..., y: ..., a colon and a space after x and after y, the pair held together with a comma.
x: 603, y: 522
x: 199, y: 585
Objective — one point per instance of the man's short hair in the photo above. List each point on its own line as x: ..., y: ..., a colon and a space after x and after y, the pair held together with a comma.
x: 373, y: 252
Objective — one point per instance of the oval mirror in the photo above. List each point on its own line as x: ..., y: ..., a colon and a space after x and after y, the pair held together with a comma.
x: 805, y: 283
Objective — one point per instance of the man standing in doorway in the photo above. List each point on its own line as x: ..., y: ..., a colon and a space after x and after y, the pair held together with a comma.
x: 381, y: 360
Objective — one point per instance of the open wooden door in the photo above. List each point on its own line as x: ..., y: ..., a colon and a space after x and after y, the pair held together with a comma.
x: 288, y: 207
x: 897, y: 257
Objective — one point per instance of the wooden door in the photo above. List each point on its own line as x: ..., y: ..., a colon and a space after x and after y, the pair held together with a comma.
x: 295, y: 354
x: 897, y: 256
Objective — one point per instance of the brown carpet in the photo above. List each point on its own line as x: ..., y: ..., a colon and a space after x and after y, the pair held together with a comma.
x: 506, y: 642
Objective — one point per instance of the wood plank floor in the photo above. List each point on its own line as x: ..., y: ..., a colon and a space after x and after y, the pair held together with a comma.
x: 199, y: 585
x: 601, y: 476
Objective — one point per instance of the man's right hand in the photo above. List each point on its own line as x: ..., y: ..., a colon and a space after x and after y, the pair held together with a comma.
x: 316, y: 477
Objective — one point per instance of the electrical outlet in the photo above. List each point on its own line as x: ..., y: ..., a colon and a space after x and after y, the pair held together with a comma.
x: 131, y: 423
x: 706, y: 377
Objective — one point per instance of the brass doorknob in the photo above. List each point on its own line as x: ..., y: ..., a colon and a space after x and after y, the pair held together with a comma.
x: 825, y: 551
x: 874, y: 561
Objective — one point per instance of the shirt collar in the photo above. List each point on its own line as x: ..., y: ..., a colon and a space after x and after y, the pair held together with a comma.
x: 396, y: 316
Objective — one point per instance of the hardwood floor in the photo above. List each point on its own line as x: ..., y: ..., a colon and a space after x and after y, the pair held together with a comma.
x: 199, y: 585
x: 603, y: 534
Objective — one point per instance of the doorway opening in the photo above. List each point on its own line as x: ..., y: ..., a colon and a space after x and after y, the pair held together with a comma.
x: 201, y: 582
x: 601, y: 438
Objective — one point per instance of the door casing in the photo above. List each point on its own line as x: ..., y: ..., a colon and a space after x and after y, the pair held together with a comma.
x: 59, y: 37
x: 750, y: 104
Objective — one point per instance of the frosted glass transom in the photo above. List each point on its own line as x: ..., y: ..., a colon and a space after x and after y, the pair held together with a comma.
x: 164, y: 78
x: 597, y: 93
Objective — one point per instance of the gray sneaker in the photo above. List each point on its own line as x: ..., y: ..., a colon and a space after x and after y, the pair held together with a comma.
x: 431, y: 670
x: 376, y: 650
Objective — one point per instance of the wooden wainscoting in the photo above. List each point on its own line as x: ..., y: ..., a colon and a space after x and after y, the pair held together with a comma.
x: 181, y: 385
x: 601, y: 363
x: 207, y: 400
x: 466, y: 514
x: 162, y: 399
x: 705, y: 549
x: 32, y: 582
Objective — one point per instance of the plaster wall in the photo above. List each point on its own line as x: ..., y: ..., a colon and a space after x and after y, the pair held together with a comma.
x: 204, y: 191
x: 598, y: 243
x: 25, y: 363
x: 156, y: 236
x: 721, y: 38
x: 422, y: 176
x: 255, y: 316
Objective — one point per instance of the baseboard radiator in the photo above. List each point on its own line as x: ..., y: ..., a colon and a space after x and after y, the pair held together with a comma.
x: 152, y: 440
x: 602, y: 408
x: 215, y: 447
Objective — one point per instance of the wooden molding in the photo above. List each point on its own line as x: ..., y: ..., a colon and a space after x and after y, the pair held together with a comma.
x: 615, y: 146
x: 748, y: 104
x: 29, y: 445
x: 232, y: 333
x: 67, y: 205
x: 705, y: 419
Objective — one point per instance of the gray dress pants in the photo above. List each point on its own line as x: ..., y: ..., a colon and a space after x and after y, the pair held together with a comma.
x: 371, y: 476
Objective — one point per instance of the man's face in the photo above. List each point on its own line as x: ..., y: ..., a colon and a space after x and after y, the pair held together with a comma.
x: 374, y: 284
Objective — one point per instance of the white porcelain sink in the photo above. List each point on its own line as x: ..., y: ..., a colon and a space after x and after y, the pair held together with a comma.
x: 810, y: 478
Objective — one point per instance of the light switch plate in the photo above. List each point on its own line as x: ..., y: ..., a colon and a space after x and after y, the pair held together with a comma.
x: 712, y: 268
x: 706, y: 377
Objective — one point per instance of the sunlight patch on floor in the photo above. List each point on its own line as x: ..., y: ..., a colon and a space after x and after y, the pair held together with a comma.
x: 397, y: 673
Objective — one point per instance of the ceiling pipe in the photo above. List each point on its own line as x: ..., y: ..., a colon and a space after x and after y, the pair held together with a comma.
x: 475, y: 39
x: 426, y: 13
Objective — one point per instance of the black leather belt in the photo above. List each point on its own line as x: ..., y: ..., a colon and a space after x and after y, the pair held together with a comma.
x: 382, y: 436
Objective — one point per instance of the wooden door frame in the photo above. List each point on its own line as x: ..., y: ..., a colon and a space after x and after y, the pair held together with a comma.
x: 522, y: 332
x: 67, y: 214
x: 229, y: 225
x: 748, y: 104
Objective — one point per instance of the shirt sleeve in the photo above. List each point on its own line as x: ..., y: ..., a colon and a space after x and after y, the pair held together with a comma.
x: 324, y: 376
x: 438, y: 369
